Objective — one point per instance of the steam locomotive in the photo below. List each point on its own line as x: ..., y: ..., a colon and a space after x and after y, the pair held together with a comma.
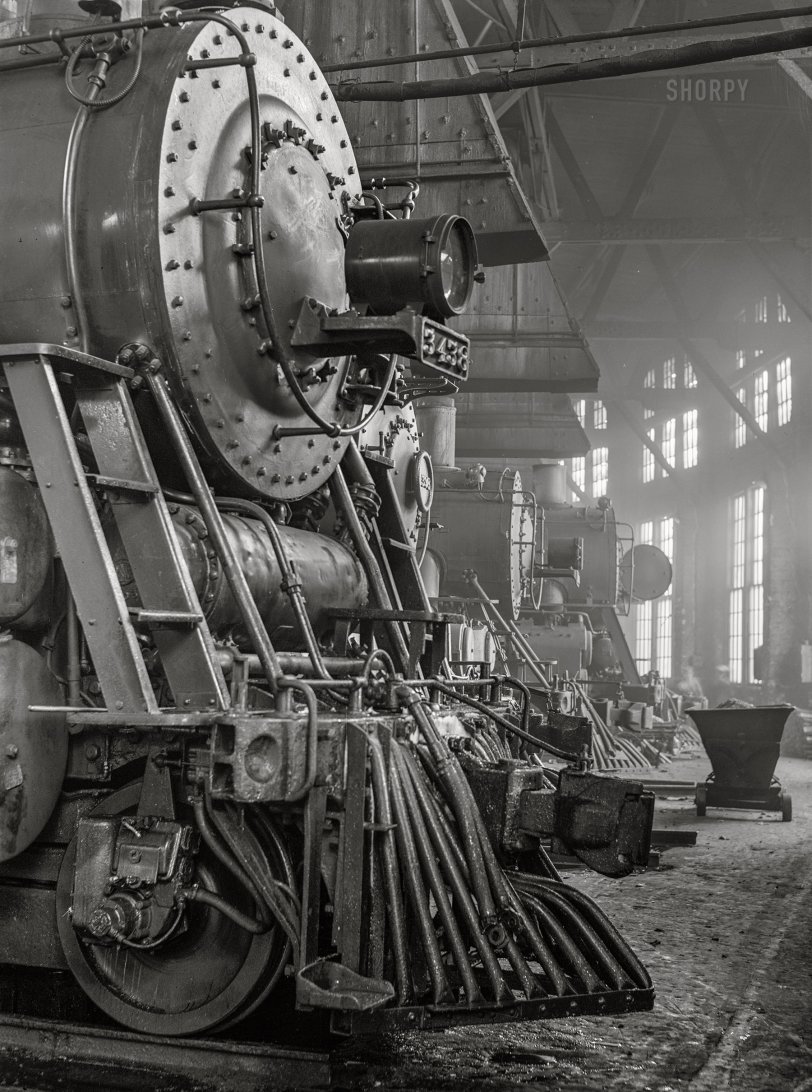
x: 234, y: 744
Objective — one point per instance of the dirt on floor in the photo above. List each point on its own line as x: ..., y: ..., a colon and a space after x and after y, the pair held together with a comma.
x: 725, y: 928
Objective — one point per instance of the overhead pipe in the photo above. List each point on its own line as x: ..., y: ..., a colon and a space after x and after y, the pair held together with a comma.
x: 568, y: 39
x: 657, y: 60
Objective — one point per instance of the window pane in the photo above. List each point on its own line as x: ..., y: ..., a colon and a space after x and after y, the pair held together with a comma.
x: 580, y: 411
x: 739, y: 427
x: 761, y: 399
x: 735, y: 640
x: 666, y: 537
x: 690, y: 439
x: 739, y: 530
x: 783, y: 390
x: 669, y: 444
x: 600, y: 472
x: 578, y: 473
x: 648, y: 460
x: 755, y: 628
x: 758, y: 535
x: 663, y: 658
x: 670, y: 374
x: 599, y: 415
x: 642, y: 650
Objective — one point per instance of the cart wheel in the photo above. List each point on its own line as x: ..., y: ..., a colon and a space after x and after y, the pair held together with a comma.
x: 786, y: 808
x: 701, y: 799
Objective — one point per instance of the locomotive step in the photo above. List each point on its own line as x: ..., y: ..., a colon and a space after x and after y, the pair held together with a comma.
x: 124, y: 485
x: 168, y: 619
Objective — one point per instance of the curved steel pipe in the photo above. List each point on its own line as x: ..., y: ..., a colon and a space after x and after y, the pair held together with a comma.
x: 344, y: 504
x: 441, y: 990
x: 450, y: 861
x: 389, y: 867
x: 436, y: 884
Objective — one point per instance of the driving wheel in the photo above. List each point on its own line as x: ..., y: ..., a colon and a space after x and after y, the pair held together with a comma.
x: 207, y: 974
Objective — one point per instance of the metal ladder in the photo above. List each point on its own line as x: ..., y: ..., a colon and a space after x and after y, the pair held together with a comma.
x: 169, y: 604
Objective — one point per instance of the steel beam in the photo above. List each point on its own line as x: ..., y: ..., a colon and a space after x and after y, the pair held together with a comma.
x: 637, y: 186
x: 617, y: 231
x: 730, y: 334
x: 618, y: 405
x: 572, y: 167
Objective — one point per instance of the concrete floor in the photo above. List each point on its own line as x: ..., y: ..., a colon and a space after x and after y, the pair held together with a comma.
x: 726, y: 931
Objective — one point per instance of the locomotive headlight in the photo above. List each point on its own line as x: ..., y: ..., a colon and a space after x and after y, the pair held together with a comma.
x: 390, y: 264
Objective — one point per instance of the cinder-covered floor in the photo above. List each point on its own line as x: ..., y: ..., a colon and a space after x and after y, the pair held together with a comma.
x: 726, y: 930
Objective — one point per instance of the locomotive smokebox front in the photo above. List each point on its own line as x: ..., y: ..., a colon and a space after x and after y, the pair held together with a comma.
x: 130, y: 225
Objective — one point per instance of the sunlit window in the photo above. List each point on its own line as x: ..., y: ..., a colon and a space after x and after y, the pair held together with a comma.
x: 689, y: 375
x: 648, y: 459
x: 739, y: 427
x: 741, y: 358
x: 760, y: 311
x: 690, y: 439
x: 783, y: 390
x: 670, y: 374
x: 761, y: 399
x: 746, y: 604
x: 783, y: 314
x: 578, y: 474
x: 654, y: 620
x: 580, y: 411
x: 600, y: 472
x: 598, y: 414
x: 669, y: 443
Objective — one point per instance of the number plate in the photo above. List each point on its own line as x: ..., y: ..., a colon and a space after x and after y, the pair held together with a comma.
x: 443, y: 352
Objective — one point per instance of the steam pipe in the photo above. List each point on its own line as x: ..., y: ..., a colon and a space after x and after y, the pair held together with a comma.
x: 389, y: 867
x: 459, y: 797
x: 444, y: 847
x: 657, y: 60
x: 344, y: 504
x: 229, y: 861
x: 425, y: 853
x: 214, y: 523
x: 216, y: 902
x: 417, y: 893
x: 291, y: 585
x: 568, y: 39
